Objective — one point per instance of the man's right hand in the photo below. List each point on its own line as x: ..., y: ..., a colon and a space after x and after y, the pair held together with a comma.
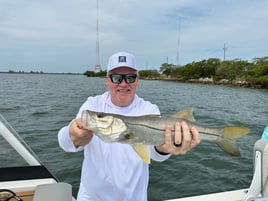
x: 78, y: 134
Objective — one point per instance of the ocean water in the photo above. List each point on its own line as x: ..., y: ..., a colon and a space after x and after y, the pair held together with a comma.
x: 38, y: 105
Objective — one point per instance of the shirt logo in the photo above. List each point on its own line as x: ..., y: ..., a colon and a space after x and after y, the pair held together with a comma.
x: 122, y: 59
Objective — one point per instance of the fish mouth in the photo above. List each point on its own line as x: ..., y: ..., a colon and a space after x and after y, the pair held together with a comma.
x: 88, y: 121
x: 92, y: 122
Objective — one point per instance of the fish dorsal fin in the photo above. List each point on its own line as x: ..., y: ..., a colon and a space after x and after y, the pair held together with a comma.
x: 143, y: 152
x: 186, y: 114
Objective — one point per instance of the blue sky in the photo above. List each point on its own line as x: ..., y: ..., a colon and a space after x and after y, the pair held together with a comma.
x: 60, y: 35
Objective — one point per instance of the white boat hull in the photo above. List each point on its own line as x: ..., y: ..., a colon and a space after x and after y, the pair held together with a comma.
x: 235, y: 195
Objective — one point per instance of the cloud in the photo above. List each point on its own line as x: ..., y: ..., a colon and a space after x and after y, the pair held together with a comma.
x: 58, y: 35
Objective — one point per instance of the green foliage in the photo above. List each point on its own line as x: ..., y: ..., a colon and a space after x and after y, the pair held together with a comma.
x: 93, y: 74
x: 231, y: 70
x: 204, y: 68
x: 167, y: 69
x: 260, y: 81
x: 258, y: 70
x: 253, y: 73
x: 260, y: 60
x: 258, y: 73
x: 149, y: 74
x: 101, y: 74
x: 89, y: 73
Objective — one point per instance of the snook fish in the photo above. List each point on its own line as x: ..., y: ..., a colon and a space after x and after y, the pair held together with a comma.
x: 149, y: 130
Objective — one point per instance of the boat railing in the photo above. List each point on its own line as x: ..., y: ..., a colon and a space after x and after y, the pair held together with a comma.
x: 258, y: 189
x: 17, y: 143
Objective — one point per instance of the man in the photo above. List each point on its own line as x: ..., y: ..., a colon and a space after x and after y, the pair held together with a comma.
x: 113, y: 171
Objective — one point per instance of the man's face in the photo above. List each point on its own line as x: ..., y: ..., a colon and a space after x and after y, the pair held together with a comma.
x: 122, y: 94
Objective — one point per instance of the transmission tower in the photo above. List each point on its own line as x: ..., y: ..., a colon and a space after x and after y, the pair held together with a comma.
x: 97, y: 65
x: 224, y: 51
x: 178, y: 46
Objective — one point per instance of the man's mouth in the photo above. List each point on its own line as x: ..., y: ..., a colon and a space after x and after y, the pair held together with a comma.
x: 123, y: 90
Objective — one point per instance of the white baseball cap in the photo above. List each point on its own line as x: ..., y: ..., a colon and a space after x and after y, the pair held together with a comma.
x: 121, y: 59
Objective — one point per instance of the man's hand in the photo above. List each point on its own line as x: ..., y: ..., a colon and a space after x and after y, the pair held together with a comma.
x: 78, y: 134
x: 185, y: 139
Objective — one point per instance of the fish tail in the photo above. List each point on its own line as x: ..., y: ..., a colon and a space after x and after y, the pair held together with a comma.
x: 235, y: 131
x: 227, y: 141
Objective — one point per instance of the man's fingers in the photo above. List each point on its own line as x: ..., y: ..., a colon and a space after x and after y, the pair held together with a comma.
x: 195, y: 136
x: 178, y: 135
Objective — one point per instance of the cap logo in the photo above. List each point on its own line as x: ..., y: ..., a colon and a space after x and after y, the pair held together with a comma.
x: 122, y: 59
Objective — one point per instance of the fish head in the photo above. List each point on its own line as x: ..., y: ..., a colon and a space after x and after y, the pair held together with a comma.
x: 108, y: 127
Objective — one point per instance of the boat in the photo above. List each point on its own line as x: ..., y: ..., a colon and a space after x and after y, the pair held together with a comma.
x: 258, y: 190
x: 23, y: 177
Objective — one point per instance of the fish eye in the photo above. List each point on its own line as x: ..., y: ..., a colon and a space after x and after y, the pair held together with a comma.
x: 100, y: 115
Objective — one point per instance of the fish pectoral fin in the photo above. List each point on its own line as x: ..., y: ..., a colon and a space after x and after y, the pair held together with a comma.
x: 186, y: 114
x: 143, y: 152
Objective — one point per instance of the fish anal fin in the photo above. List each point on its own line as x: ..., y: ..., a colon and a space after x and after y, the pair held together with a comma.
x: 186, y: 114
x: 143, y: 152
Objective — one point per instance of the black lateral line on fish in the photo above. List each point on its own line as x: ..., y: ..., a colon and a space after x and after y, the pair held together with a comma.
x: 172, y: 130
x: 211, y: 134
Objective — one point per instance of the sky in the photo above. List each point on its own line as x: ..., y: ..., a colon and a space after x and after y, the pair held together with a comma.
x: 60, y: 35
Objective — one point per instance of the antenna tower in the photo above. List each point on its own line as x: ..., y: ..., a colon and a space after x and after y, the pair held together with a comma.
x: 178, y: 47
x: 224, y: 51
x: 97, y: 65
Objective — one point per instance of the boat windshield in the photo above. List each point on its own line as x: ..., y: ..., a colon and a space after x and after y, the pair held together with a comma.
x: 14, y: 152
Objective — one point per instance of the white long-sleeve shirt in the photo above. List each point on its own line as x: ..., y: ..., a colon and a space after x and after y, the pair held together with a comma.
x: 112, y: 171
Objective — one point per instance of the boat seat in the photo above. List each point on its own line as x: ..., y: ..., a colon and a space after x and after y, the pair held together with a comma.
x: 259, y: 184
x: 53, y: 192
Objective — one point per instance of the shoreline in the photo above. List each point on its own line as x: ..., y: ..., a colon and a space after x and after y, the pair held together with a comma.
x: 234, y: 83
x: 225, y: 82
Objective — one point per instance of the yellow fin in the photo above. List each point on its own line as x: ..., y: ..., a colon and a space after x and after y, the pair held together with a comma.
x: 228, y: 146
x: 186, y: 114
x: 235, y: 131
x: 230, y: 133
x: 143, y: 152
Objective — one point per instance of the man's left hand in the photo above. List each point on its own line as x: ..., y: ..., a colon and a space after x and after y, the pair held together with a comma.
x: 185, y: 139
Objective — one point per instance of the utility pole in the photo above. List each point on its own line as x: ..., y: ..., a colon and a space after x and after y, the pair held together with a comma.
x: 224, y: 51
x: 97, y: 65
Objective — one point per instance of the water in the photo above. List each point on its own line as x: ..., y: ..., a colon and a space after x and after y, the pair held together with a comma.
x: 37, y: 106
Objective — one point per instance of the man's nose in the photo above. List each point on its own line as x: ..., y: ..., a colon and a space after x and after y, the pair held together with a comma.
x: 123, y: 82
